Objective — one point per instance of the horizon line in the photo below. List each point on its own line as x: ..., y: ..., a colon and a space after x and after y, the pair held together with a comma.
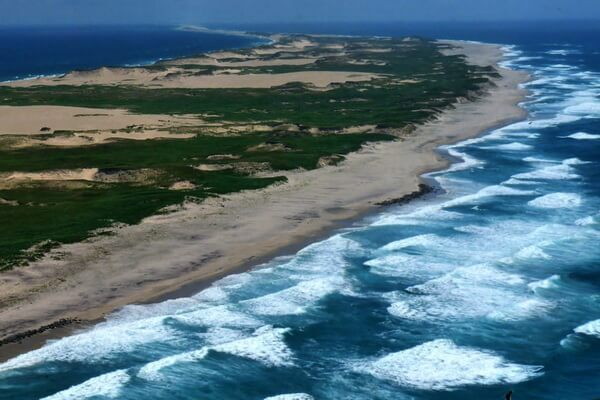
x: 294, y: 23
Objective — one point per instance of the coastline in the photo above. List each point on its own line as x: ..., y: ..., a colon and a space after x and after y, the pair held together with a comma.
x: 187, y: 255
x: 259, y: 40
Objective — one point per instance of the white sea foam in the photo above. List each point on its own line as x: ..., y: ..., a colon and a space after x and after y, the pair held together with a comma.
x: 557, y: 200
x: 584, y: 109
x: 573, y: 342
x: 543, y: 123
x: 532, y: 252
x: 235, y: 281
x: 562, y: 52
x: 135, y: 312
x: 514, y: 146
x: 585, y: 221
x: 583, y: 136
x: 219, y: 316
x: 591, y: 328
x: 527, y: 58
x: 496, y: 241
x: 515, y: 181
x: 419, y: 240
x: 539, y: 160
x: 294, y: 300
x: 325, y: 258
x: 562, y: 171
x: 526, y: 135
x: 424, y: 215
x: 442, y: 365
x: 95, y: 345
x: 407, y: 266
x: 474, y: 229
x: 479, y: 291
x: 266, y: 346
x: 467, y: 161
x: 219, y: 335
x: 214, y: 294
x: 153, y: 370
x: 546, y: 80
x: 548, y: 283
x: 574, y: 161
x: 523, y: 309
x: 108, y: 385
x: 291, y: 396
x: 485, y: 194
x: 510, y: 50
x: 562, y: 67
x: 543, y: 99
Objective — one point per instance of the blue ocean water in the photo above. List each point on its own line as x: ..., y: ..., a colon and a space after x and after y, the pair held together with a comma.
x: 32, y: 51
x: 493, y: 285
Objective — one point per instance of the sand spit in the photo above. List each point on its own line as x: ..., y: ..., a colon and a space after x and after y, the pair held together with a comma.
x: 202, y: 242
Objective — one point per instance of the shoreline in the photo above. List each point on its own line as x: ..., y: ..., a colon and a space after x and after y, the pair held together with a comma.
x: 148, y: 63
x: 188, y: 255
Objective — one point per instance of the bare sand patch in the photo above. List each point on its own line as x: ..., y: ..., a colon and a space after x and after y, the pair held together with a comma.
x: 227, y: 71
x: 212, y: 167
x: 293, y: 47
x: 367, y: 62
x: 320, y: 79
x: 182, y: 185
x: 272, y: 62
x: 29, y: 120
x: 12, y: 203
x: 218, y: 157
x: 183, y: 79
x: 334, y: 47
x: 224, y: 55
x: 242, y: 167
x: 475, y: 52
x: 209, y: 61
x: 102, y: 76
x: 376, y: 50
x: 83, y: 174
x: 268, y: 147
x: 359, y: 129
x: 78, y: 139
x: 17, y: 178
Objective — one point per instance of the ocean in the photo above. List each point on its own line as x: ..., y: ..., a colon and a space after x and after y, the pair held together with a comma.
x: 27, y: 52
x: 493, y: 285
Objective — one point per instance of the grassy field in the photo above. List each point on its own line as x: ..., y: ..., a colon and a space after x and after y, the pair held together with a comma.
x: 417, y: 82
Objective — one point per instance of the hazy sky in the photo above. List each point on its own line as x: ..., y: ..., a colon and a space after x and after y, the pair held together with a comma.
x: 252, y: 11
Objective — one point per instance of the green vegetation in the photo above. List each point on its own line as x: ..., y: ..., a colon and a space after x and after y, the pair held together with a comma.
x: 417, y: 81
x: 389, y: 102
x: 66, y: 211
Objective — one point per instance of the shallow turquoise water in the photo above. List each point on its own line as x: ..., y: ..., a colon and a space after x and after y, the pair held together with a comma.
x: 494, y: 285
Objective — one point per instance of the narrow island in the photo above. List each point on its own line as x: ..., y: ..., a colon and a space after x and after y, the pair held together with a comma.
x: 123, y: 185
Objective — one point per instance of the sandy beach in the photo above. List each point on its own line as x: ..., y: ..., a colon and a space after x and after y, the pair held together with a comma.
x: 199, y: 243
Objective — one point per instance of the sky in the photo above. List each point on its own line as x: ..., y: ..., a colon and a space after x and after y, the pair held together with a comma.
x: 35, y: 12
